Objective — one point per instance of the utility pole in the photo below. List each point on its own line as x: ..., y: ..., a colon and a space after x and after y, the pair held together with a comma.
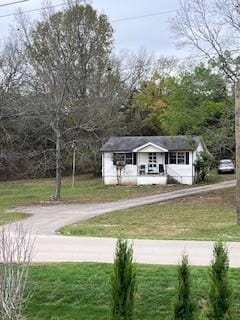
x: 73, y: 163
x: 237, y: 136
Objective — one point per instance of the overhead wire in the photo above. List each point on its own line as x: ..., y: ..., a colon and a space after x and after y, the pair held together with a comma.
x: 144, y: 16
x: 112, y: 21
x: 33, y: 10
x: 13, y: 2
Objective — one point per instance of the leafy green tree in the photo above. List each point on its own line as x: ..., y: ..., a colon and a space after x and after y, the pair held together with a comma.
x: 220, y: 136
x: 220, y: 294
x: 190, y: 102
x: 152, y: 98
x: 200, y: 104
x: 197, y: 101
x: 184, y: 308
x: 123, y: 282
x: 203, y: 165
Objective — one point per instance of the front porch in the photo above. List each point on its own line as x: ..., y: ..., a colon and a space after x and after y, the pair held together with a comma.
x: 148, y: 179
x: 151, y: 168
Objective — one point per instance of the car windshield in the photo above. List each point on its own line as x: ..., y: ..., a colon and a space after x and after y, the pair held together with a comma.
x: 226, y: 161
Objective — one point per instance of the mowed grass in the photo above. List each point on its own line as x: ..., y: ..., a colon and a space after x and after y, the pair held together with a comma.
x: 81, y: 291
x: 87, y: 189
x: 210, y: 216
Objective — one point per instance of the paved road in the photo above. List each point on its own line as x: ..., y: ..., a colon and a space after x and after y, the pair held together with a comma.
x: 63, y: 249
x: 46, y: 219
x: 49, y: 247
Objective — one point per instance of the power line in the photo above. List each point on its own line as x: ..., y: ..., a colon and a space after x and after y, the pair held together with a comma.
x: 32, y: 10
x: 144, y: 16
x: 11, y: 3
x: 113, y: 21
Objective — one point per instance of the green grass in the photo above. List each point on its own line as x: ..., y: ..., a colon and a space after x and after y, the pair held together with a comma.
x: 87, y: 189
x: 23, y: 192
x: 210, y: 216
x: 81, y: 291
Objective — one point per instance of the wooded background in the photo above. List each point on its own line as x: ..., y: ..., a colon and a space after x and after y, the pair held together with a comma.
x: 63, y: 87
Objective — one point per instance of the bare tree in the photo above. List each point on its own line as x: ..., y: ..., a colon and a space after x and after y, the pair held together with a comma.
x: 68, y: 54
x: 81, y: 92
x: 213, y: 28
x: 11, y: 78
x: 16, y: 249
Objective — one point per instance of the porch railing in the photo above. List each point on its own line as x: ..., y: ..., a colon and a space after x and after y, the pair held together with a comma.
x: 173, y: 174
x: 145, y: 169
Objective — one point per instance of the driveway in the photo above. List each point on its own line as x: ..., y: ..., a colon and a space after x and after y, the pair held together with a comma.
x: 47, y: 219
x: 49, y: 247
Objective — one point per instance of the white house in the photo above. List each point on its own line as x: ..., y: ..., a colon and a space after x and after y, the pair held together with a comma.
x: 146, y: 160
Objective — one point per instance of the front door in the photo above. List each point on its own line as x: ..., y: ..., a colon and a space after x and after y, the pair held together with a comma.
x: 152, y: 162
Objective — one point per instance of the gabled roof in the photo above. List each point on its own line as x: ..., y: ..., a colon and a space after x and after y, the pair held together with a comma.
x: 171, y: 143
x: 150, y: 144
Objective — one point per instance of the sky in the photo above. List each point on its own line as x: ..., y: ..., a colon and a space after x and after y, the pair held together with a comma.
x: 150, y: 33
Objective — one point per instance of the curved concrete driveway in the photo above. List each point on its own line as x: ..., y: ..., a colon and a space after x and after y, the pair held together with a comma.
x: 45, y: 220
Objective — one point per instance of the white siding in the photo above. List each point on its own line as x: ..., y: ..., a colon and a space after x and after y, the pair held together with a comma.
x: 199, y: 149
x: 128, y: 174
x: 183, y: 173
x: 195, y: 153
x: 151, y: 179
x: 150, y: 149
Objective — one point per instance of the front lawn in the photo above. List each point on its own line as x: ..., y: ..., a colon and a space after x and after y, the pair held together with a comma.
x: 209, y: 216
x: 81, y: 291
x: 87, y: 189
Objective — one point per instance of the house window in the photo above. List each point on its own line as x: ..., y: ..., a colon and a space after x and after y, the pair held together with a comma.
x: 127, y: 158
x: 179, y: 157
x: 152, y: 157
x: 172, y: 157
x: 118, y: 157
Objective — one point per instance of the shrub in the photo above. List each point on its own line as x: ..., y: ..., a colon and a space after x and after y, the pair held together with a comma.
x: 184, y: 308
x: 219, y: 302
x: 203, y: 166
x: 123, y: 282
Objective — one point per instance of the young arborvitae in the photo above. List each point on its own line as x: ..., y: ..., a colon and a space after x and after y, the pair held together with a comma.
x: 184, y: 308
x: 219, y: 304
x: 123, y: 282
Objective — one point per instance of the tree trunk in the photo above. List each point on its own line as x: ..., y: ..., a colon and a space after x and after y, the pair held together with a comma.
x: 237, y: 134
x: 57, y: 194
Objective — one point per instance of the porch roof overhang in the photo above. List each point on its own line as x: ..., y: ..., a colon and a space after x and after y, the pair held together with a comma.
x: 155, y: 148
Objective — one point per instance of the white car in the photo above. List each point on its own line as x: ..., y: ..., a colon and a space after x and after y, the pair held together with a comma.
x: 226, y: 166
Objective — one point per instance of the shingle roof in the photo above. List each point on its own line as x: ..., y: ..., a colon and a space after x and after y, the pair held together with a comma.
x: 171, y: 143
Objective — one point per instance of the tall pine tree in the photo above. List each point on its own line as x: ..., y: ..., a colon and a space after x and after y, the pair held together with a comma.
x: 219, y: 304
x: 123, y: 282
x: 184, y: 308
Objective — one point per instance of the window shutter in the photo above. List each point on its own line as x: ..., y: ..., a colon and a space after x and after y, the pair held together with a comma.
x: 134, y: 158
x: 187, y: 157
x: 166, y: 157
x: 114, y: 158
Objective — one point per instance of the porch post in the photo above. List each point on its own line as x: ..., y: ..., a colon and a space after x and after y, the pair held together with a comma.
x: 137, y: 163
x: 166, y: 161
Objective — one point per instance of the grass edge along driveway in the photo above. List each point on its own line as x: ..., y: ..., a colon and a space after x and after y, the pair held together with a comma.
x: 87, y: 190
x: 210, y: 216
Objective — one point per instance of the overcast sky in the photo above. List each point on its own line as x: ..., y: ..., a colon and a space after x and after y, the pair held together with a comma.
x: 151, y: 33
